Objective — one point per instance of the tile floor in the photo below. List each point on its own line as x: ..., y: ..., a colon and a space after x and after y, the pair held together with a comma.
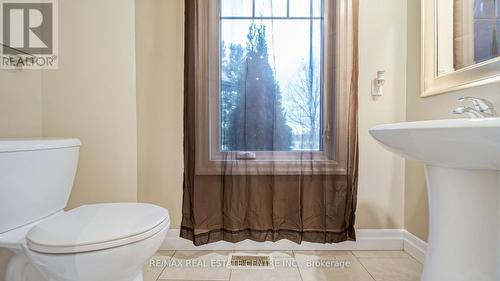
x: 289, y: 266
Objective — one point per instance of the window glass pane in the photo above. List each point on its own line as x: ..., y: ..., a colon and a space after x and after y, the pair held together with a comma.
x: 485, y: 9
x: 317, y: 8
x: 236, y: 8
x: 270, y: 96
x: 300, y: 8
x: 498, y: 38
x: 484, y: 40
x: 270, y: 8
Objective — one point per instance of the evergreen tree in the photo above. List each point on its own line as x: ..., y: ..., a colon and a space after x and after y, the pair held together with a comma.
x: 257, y: 122
x: 233, y: 71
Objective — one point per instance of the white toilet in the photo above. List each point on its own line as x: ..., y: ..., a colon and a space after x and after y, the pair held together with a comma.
x: 101, y: 242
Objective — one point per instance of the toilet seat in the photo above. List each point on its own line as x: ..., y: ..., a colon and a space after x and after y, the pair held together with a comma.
x: 97, y: 227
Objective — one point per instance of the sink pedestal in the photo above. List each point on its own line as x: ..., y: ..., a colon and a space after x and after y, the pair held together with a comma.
x: 462, y: 158
x: 464, y: 237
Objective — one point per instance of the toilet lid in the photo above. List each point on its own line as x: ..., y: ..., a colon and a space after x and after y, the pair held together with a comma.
x: 97, y: 227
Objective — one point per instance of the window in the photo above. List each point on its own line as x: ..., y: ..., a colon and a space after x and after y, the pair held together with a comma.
x: 275, y: 80
x: 486, y: 30
x: 471, y: 33
x: 270, y: 63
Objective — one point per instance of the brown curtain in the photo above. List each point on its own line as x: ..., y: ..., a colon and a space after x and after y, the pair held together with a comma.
x: 463, y: 33
x: 265, y: 207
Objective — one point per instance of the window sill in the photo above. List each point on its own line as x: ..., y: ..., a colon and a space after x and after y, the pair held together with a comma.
x: 259, y: 167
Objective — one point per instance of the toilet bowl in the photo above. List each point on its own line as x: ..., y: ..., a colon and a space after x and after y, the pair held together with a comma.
x: 99, y: 242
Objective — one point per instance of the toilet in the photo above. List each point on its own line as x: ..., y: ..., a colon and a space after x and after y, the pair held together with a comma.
x: 98, y: 242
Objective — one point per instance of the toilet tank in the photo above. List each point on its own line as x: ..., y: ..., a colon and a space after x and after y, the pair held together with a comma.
x: 36, y: 177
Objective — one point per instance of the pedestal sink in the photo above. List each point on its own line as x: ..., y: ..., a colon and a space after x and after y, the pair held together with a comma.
x: 462, y: 159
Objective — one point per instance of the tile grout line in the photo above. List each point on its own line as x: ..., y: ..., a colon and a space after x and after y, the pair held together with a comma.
x: 387, y: 257
x: 165, y: 267
x: 231, y: 269
x: 396, y: 258
x: 294, y: 257
x: 364, y: 267
x: 413, y: 258
x: 298, y: 267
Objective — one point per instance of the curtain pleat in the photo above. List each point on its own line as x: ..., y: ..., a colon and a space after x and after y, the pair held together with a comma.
x: 262, y: 207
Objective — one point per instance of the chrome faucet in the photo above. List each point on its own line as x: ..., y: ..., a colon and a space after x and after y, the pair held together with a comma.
x: 482, y: 108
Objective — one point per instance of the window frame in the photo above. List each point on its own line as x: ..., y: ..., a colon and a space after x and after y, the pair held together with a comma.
x: 332, y: 159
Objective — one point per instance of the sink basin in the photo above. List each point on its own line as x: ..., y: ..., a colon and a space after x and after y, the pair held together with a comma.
x: 455, y: 143
x: 462, y: 160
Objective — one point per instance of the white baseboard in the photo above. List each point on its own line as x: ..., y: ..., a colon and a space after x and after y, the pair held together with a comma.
x: 367, y: 239
x: 414, y: 246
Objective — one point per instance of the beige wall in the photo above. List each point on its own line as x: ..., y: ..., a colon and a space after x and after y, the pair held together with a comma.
x: 20, y: 116
x: 437, y: 107
x: 160, y: 69
x: 20, y: 103
x: 159, y: 101
x: 382, y: 47
x: 92, y: 96
x: 133, y: 139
